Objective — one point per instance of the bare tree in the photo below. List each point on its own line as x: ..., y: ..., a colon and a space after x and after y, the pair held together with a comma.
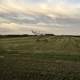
x: 40, y: 36
x: 37, y: 32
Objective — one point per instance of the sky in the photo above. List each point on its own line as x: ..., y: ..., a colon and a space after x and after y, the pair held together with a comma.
x: 60, y: 17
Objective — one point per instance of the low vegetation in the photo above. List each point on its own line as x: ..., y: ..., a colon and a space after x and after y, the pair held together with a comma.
x: 47, y: 57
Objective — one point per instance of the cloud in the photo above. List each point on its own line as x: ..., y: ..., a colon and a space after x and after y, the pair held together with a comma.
x: 44, y: 15
x: 14, y: 28
x: 57, y: 7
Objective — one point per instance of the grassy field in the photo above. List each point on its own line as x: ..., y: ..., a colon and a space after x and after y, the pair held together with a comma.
x: 49, y: 58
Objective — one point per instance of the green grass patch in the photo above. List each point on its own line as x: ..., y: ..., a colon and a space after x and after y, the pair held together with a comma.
x: 28, y: 59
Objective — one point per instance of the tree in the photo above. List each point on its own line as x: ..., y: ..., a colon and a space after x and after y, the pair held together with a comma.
x: 40, y: 36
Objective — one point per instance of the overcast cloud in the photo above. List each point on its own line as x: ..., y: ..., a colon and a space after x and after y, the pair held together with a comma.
x: 47, y: 16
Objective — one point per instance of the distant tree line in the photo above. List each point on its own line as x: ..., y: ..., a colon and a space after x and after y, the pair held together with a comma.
x: 4, y: 36
x: 26, y: 35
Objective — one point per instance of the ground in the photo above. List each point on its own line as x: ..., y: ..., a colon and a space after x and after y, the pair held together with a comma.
x: 44, y: 58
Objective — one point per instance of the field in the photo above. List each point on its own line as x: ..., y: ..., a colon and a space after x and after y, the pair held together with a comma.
x: 40, y: 58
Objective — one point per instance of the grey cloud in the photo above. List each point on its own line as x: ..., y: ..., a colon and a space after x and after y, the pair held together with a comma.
x: 36, y: 1
x: 36, y: 18
x: 68, y: 21
x: 24, y: 18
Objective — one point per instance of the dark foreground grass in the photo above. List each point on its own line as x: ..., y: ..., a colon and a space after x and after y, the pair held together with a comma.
x: 27, y: 67
x: 26, y: 59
